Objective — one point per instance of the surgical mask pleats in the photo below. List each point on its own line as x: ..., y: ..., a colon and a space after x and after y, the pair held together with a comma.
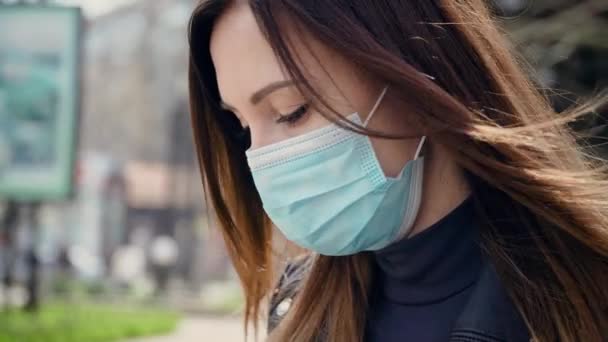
x: 325, y: 190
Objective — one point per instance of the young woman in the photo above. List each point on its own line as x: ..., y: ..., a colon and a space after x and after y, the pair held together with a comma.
x: 437, y: 194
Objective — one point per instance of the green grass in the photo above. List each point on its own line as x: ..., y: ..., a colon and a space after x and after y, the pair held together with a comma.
x: 84, y: 323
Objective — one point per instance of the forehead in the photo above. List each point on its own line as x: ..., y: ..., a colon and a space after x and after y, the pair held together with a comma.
x: 243, y: 59
x: 245, y: 62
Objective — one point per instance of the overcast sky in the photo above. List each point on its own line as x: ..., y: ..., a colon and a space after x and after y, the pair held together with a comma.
x: 94, y: 8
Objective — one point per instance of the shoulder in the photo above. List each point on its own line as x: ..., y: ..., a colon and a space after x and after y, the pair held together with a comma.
x: 287, y: 288
x: 490, y: 315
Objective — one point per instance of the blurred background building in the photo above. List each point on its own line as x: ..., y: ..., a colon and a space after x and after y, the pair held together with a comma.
x: 138, y: 191
x: 566, y: 44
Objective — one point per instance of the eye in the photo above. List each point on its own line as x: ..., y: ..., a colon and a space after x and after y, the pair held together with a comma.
x: 293, y: 117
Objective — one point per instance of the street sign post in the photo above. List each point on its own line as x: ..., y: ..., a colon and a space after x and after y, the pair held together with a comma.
x: 39, y: 101
x: 39, y: 109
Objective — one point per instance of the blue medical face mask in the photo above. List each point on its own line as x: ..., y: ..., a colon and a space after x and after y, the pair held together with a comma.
x: 325, y: 190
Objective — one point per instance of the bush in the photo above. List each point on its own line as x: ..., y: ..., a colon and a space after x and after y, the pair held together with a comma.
x: 84, y: 323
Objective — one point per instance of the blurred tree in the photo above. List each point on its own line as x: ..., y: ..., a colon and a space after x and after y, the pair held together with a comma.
x: 566, y: 41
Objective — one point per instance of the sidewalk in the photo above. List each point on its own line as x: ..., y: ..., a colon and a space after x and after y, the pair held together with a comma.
x: 203, y: 329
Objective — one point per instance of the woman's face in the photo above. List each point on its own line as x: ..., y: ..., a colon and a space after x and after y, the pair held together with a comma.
x: 255, y: 87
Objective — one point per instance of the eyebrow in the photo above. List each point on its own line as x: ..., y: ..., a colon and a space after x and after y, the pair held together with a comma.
x: 260, y: 94
x: 267, y: 90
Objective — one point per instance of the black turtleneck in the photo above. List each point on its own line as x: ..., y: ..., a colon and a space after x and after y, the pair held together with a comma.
x: 423, y: 283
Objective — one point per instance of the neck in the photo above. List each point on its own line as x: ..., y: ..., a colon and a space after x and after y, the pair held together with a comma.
x: 444, y: 187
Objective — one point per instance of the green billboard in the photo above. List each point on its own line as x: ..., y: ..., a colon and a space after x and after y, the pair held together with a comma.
x: 39, y: 100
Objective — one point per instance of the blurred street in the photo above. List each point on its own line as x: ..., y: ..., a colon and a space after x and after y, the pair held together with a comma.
x: 203, y: 329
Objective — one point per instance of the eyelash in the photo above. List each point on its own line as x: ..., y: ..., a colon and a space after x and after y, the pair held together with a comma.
x: 288, y: 119
x: 293, y: 117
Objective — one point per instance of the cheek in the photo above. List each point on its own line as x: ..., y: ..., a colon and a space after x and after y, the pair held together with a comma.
x: 394, y: 154
x: 265, y: 131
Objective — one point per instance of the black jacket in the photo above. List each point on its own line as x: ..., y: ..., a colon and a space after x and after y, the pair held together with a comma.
x: 489, y: 315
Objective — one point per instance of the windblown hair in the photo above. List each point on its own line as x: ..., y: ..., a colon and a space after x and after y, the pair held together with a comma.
x: 543, y: 202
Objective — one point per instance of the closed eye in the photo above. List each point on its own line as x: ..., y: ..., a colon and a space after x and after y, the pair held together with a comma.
x: 293, y: 117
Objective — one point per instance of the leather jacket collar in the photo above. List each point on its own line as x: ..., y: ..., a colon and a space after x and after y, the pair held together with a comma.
x: 489, y: 315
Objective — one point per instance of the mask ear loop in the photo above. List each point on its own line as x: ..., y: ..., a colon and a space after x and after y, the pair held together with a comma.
x: 375, y: 108
x: 420, y: 145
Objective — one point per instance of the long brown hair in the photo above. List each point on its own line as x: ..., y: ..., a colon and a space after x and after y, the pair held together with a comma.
x: 542, y: 200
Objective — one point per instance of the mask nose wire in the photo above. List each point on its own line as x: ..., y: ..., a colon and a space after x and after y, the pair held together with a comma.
x: 375, y: 108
